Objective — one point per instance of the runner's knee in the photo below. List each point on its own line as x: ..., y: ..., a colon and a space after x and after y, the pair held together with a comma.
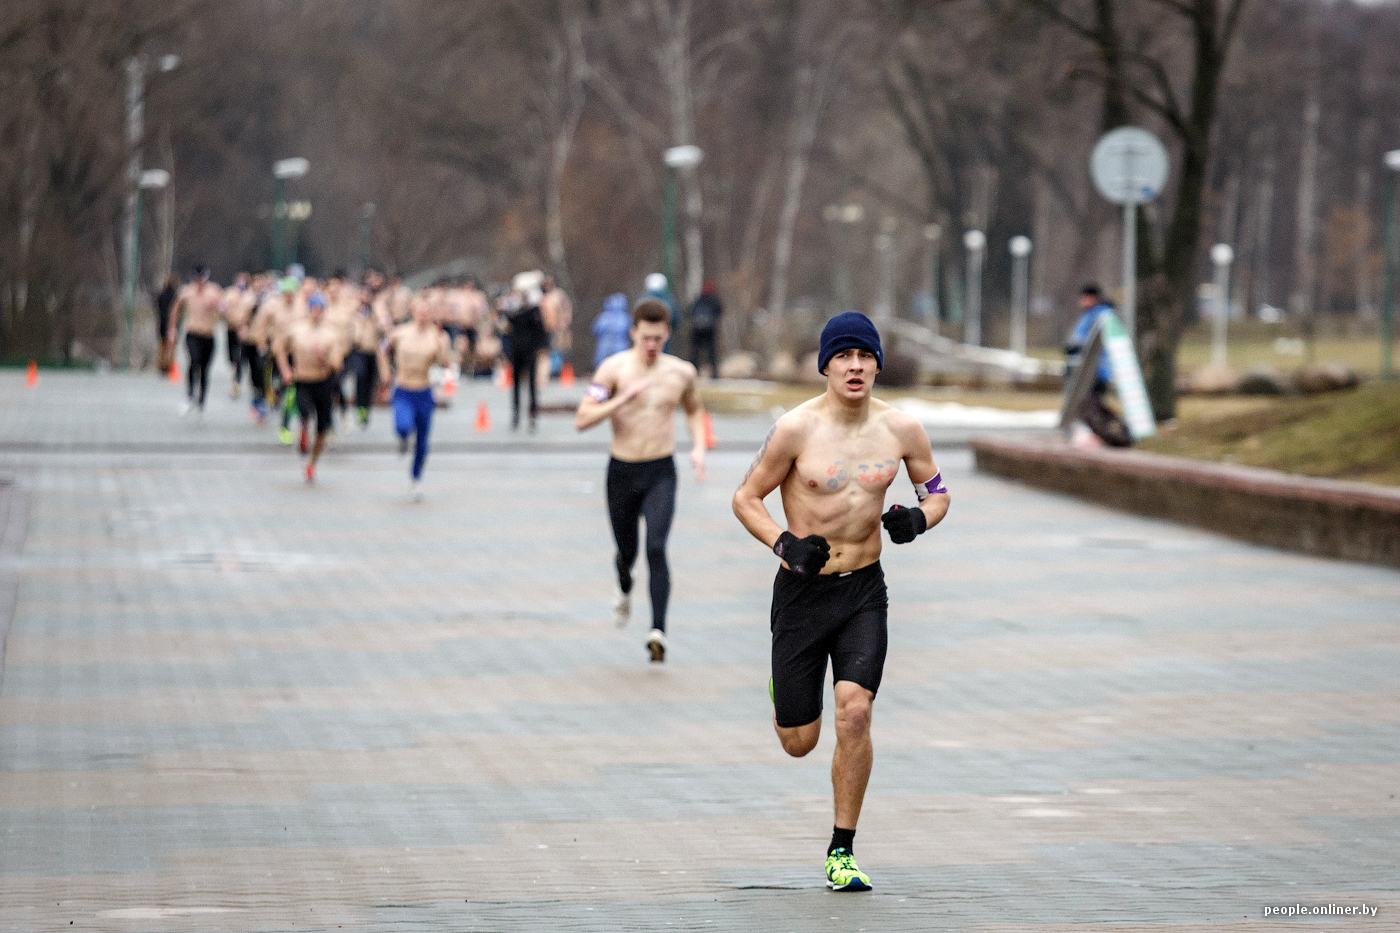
x: 853, y: 711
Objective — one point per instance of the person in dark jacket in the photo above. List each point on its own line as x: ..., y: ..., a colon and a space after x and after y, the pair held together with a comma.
x: 165, y: 355
x: 704, y: 318
x: 528, y: 336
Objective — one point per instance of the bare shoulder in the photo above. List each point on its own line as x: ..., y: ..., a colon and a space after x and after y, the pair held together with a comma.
x: 682, y: 368
x: 892, y: 418
x: 797, y: 424
x: 610, y: 369
x: 908, y: 429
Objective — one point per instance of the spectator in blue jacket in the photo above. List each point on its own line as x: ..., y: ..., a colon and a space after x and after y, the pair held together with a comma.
x: 611, y: 328
x: 1093, y: 411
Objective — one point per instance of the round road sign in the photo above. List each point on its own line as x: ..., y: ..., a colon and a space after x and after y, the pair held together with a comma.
x: 1129, y: 164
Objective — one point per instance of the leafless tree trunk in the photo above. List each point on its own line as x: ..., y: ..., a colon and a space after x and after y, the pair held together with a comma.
x: 165, y: 245
x: 1305, y: 243
x: 1365, y: 307
x: 817, y: 71
x: 565, y: 99
x: 1168, y: 287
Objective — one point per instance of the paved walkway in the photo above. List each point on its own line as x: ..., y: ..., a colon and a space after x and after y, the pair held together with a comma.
x: 232, y: 702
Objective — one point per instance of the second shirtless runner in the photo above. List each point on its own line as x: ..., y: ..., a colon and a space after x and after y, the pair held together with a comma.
x: 834, y: 457
x: 640, y: 389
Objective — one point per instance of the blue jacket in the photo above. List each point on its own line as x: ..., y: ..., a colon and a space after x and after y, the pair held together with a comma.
x: 611, y: 328
x: 1080, y: 336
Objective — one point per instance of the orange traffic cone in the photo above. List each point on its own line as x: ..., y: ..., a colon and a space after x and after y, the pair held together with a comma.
x: 449, y: 384
x: 709, y: 431
x: 175, y: 374
x: 566, y: 375
x: 506, y: 378
x: 483, y: 418
x: 31, y: 374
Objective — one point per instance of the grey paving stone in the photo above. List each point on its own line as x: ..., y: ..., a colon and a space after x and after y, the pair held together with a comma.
x: 230, y: 701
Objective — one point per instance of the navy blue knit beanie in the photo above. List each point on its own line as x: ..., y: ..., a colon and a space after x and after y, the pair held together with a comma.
x: 849, y: 330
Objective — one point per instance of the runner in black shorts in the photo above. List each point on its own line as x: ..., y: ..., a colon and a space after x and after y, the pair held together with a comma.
x: 316, y: 348
x: 834, y: 458
x: 317, y: 399
x: 838, y: 615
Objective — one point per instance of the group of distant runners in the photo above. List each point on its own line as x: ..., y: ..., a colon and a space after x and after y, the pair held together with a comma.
x: 832, y: 458
x: 299, y: 340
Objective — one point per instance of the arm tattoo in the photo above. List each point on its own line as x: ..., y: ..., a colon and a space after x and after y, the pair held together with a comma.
x: 761, y: 451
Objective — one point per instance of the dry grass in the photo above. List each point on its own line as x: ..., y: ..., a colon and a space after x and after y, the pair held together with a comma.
x: 1344, y: 435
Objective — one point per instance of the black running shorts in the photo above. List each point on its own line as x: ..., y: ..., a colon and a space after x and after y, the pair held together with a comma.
x: 842, y: 616
x: 316, y: 398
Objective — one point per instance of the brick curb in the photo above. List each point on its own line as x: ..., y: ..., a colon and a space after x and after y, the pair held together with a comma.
x: 1330, y: 518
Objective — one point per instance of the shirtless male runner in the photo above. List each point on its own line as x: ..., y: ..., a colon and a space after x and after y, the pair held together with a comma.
x: 639, y: 390
x: 316, y: 348
x: 201, y: 302
x: 558, y: 312
x: 365, y: 335
x: 240, y: 299
x: 281, y: 312
x: 415, y: 347
x: 251, y: 335
x: 834, y: 457
x: 476, y: 313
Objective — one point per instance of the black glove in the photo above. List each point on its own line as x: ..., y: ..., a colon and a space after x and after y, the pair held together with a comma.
x: 904, y: 525
x: 806, y: 556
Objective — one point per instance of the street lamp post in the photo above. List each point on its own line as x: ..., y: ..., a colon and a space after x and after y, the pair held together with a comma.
x: 843, y: 217
x: 135, y: 129
x: 1392, y: 164
x: 366, y: 230
x: 976, y: 243
x: 1020, y: 247
x: 884, y: 256
x: 1221, y: 255
x: 933, y: 237
x: 283, y: 171
x: 298, y: 212
x: 150, y: 180
x: 675, y: 159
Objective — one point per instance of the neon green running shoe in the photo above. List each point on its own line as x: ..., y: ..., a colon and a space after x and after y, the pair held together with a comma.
x: 285, y: 436
x: 842, y: 873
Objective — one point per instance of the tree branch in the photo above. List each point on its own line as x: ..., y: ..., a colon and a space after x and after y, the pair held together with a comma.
x: 1180, y: 7
x: 1052, y: 9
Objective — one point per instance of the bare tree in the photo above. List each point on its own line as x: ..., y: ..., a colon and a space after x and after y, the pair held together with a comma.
x: 820, y: 40
x: 1184, y: 98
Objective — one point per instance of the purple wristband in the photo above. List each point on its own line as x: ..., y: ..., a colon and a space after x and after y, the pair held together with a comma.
x: 598, y: 392
x: 932, y: 488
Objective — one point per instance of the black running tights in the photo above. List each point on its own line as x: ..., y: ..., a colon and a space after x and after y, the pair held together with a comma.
x: 201, y: 350
x: 643, y: 490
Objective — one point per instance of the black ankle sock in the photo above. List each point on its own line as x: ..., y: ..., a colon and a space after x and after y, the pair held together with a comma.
x: 842, y: 839
x: 624, y: 578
